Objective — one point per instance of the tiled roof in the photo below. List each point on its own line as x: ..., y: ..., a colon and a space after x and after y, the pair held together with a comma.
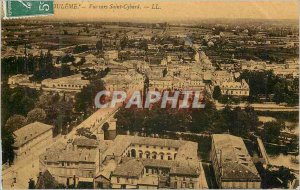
x: 130, y: 168
x: 133, y: 167
x: 234, y: 157
x: 29, y: 132
x: 64, y: 154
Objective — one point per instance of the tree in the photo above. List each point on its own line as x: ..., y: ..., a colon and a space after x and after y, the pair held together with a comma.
x: 36, y: 114
x: 31, y: 184
x: 165, y: 72
x: 67, y: 58
x: 84, y: 100
x: 272, y: 131
x: 86, y: 133
x: 15, y: 122
x: 7, y: 148
x: 217, y: 93
x: 99, y: 45
x: 59, y: 112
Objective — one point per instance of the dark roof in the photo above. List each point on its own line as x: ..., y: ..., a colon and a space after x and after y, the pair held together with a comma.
x: 84, y: 141
x: 46, y: 181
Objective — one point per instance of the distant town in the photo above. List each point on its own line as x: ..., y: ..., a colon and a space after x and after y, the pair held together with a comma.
x: 246, y: 136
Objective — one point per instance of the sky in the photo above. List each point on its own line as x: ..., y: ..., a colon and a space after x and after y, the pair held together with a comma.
x: 180, y: 10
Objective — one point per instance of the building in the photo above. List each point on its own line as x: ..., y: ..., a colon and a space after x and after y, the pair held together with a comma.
x: 73, y: 163
x: 176, y: 83
x: 235, y: 88
x: 126, y: 162
x: 219, y: 77
x: 32, y: 138
x: 111, y: 43
x: 232, y: 164
x: 111, y: 55
x: 22, y: 80
x: 144, y: 162
x: 70, y: 84
x: 129, y: 81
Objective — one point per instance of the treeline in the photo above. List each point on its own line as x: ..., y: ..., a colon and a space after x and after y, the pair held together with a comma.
x: 22, y: 106
x: 41, y: 67
x: 207, y: 120
x: 265, y: 85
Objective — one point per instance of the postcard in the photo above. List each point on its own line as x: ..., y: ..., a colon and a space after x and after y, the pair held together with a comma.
x: 121, y: 94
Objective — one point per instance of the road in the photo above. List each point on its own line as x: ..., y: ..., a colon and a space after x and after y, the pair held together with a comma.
x: 28, y: 167
x: 262, y: 107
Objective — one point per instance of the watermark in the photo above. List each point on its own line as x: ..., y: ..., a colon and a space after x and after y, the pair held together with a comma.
x: 27, y: 8
x: 166, y: 99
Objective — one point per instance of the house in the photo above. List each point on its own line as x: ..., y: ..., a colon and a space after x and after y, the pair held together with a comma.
x: 235, y: 88
x: 32, y: 138
x: 232, y: 164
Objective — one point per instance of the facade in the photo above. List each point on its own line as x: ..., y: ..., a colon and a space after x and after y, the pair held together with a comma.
x: 126, y: 162
x: 22, y: 80
x: 73, y: 83
x: 74, y: 163
x: 235, y: 88
x: 111, y: 55
x: 111, y: 43
x: 143, y: 162
x: 219, y: 77
x: 176, y: 83
x: 32, y: 138
x: 128, y: 81
x: 232, y: 164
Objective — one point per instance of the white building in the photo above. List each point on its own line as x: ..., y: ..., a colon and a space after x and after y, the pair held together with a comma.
x: 73, y: 84
x: 111, y: 55
x: 32, y: 138
x: 232, y: 164
x: 235, y: 88
x: 22, y: 80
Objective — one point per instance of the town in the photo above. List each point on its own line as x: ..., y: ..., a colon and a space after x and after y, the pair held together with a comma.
x: 54, y: 135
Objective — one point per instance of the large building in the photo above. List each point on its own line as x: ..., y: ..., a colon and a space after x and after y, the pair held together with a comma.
x: 143, y: 162
x: 126, y: 162
x: 73, y: 163
x: 70, y: 84
x: 232, y: 164
x: 235, y: 88
x: 128, y: 81
x: 22, y: 80
x: 32, y: 138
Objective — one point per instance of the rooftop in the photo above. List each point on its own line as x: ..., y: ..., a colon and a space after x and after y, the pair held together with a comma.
x: 233, y: 155
x: 29, y: 132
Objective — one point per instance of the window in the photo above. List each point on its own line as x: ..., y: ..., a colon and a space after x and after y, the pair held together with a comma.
x: 118, y: 180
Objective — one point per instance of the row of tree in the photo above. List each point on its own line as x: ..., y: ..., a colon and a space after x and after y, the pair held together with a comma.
x: 209, y: 119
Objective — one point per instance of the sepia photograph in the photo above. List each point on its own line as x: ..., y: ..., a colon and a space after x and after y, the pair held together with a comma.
x: 150, y: 94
